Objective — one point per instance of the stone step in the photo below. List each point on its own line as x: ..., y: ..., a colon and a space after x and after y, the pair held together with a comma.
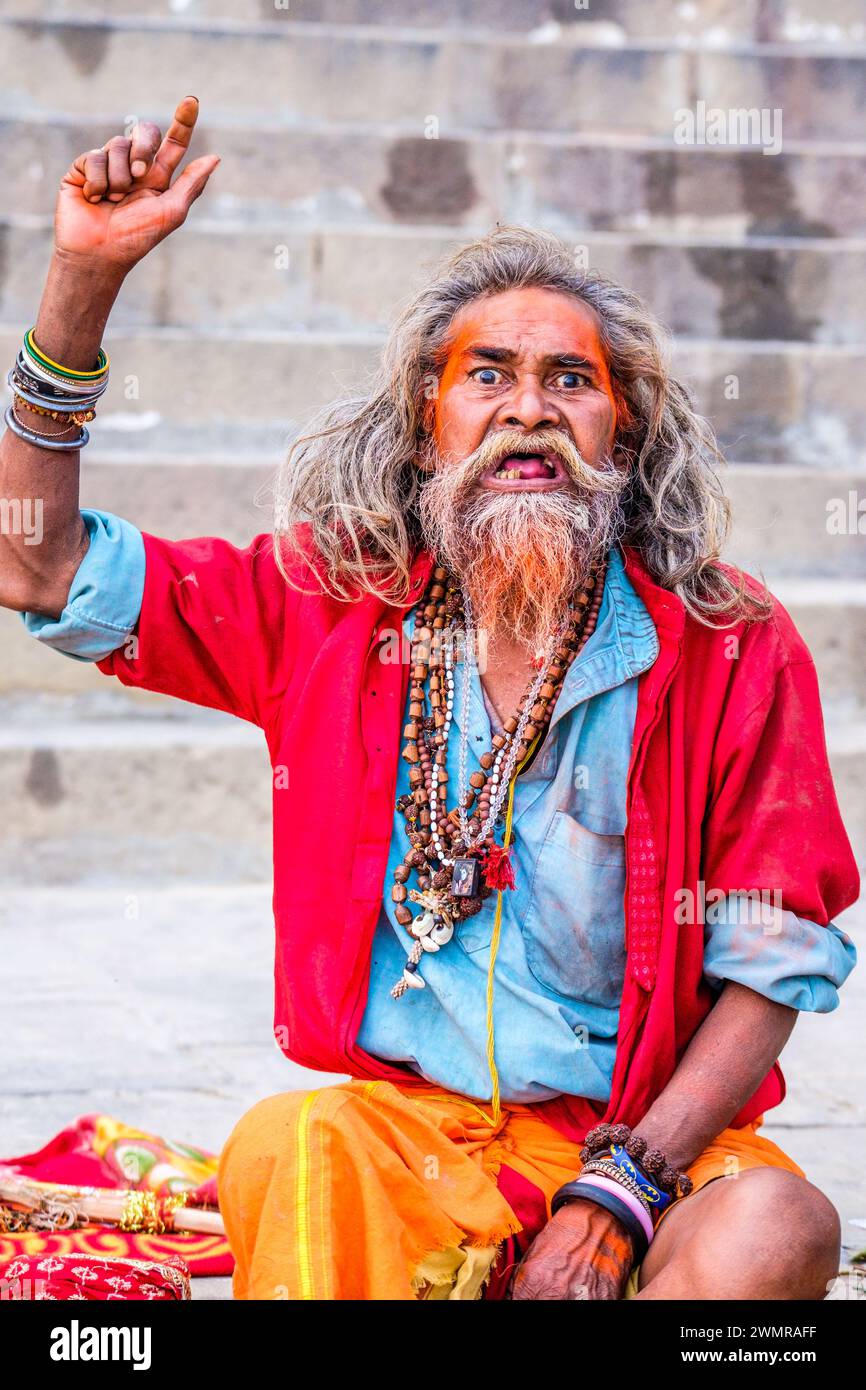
x: 233, y: 393
x: 830, y: 614
x: 332, y: 173
x: 712, y: 22
x: 792, y: 522
x: 104, y: 791
x: 650, y: 189
x: 305, y: 71
x: 215, y: 277
x: 778, y: 402
x: 718, y: 22
x: 103, y: 797
x: 479, y: 79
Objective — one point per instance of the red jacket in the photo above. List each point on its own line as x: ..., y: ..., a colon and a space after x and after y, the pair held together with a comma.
x: 728, y: 783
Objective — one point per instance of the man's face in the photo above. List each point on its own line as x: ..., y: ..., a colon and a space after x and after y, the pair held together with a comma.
x: 524, y: 390
x: 526, y: 359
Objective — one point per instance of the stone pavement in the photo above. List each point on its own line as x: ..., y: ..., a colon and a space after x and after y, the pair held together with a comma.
x: 155, y: 1006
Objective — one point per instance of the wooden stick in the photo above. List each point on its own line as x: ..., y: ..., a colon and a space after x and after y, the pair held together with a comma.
x: 102, y: 1204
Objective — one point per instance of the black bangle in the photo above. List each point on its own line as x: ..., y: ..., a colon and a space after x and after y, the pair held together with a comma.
x: 582, y: 1191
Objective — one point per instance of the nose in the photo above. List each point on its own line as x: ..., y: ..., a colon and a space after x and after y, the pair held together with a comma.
x: 528, y: 407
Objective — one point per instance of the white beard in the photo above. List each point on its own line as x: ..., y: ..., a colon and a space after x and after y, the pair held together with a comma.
x: 522, y: 557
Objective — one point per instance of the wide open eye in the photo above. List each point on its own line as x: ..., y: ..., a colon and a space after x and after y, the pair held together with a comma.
x: 487, y: 376
x: 570, y: 381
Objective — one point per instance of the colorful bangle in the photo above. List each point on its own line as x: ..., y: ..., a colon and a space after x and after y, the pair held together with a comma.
x: 653, y: 1201
x: 37, y: 391
x: 54, y: 384
x: 585, y: 1191
x: 70, y: 373
x: 632, y: 1201
x: 617, y: 1163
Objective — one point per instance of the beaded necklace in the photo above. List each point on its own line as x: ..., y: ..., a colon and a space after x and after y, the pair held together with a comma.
x: 458, y: 861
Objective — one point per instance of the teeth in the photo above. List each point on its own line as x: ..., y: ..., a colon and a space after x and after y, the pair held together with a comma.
x: 508, y: 473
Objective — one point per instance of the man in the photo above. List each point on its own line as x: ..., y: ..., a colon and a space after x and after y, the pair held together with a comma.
x: 633, y: 732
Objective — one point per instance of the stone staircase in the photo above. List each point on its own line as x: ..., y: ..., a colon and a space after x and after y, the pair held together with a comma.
x: 359, y: 141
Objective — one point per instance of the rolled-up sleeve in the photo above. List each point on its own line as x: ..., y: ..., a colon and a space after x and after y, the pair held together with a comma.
x: 751, y: 939
x: 105, y: 596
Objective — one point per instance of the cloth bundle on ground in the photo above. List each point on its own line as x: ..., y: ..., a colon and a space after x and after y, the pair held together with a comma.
x: 62, y: 1277
x: 98, y: 1151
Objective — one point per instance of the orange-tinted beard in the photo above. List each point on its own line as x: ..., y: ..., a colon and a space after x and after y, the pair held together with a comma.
x: 521, y: 556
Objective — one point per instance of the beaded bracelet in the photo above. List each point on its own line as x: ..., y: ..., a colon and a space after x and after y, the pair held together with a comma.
x: 653, y: 1201
x: 76, y: 417
x: 616, y: 1163
x: 44, y: 441
x: 610, y: 1154
x: 654, y: 1166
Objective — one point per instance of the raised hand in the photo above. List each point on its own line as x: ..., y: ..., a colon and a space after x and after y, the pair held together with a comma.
x: 582, y: 1253
x: 118, y: 202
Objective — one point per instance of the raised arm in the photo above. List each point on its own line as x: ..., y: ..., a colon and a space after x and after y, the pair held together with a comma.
x: 114, y: 205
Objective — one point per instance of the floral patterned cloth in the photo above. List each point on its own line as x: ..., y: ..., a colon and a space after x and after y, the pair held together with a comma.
x: 61, y: 1277
x: 99, y: 1151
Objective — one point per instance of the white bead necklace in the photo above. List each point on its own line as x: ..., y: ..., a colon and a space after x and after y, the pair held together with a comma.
x: 506, y: 757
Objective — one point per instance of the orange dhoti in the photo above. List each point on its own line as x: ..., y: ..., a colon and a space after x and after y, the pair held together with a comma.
x: 370, y: 1190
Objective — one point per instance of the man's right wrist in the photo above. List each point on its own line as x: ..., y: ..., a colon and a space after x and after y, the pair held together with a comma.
x: 75, y: 307
x: 101, y: 274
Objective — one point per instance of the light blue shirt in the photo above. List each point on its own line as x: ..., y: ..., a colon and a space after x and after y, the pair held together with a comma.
x: 105, y: 596
x: 561, y: 959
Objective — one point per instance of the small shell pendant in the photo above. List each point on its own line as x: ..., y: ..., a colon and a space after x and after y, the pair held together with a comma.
x: 432, y: 929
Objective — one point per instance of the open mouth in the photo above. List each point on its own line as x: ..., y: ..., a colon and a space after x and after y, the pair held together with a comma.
x: 530, y: 469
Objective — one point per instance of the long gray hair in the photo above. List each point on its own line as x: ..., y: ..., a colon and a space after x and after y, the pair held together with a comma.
x: 352, y: 476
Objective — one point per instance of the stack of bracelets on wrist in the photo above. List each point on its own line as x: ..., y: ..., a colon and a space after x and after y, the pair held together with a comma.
x: 59, y: 393
x: 620, y: 1173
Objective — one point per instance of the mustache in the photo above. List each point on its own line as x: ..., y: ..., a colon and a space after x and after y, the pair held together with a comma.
x: 498, y: 446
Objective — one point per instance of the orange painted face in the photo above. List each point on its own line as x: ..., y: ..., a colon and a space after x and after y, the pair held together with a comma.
x: 525, y: 359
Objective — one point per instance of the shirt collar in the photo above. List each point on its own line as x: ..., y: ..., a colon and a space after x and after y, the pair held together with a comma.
x: 623, y: 644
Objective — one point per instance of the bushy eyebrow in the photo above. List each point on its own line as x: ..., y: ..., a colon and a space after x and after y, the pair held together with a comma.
x: 497, y: 354
x: 567, y: 360
x: 490, y: 354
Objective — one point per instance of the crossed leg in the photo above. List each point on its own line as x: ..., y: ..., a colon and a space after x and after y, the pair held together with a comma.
x: 764, y: 1234
x: 350, y: 1191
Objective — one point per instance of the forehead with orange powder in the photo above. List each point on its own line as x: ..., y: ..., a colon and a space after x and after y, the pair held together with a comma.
x: 531, y: 337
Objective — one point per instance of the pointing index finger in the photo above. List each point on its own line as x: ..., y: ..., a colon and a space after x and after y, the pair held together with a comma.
x: 175, y: 143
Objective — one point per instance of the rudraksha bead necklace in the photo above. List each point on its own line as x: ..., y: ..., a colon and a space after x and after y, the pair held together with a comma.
x: 458, y: 861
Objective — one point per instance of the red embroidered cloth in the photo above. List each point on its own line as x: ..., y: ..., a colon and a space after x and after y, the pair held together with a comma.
x: 62, y: 1277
